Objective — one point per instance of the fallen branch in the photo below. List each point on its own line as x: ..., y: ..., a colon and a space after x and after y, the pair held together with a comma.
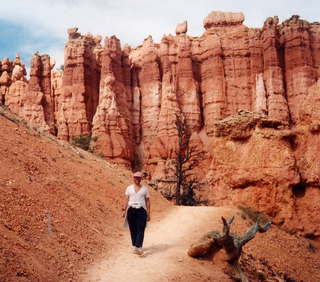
x: 213, y: 241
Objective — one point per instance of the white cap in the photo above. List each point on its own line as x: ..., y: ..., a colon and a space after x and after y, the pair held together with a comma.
x: 138, y: 174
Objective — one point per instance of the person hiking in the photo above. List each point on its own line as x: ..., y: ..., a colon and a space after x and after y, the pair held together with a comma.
x: 137, y: 211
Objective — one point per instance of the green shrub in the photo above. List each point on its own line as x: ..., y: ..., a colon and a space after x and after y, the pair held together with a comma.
x: 83, y: 142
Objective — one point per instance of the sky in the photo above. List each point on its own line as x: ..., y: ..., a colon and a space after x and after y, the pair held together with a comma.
x: 27, y: 26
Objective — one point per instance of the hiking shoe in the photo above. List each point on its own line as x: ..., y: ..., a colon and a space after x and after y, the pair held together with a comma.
x: 140, y: 252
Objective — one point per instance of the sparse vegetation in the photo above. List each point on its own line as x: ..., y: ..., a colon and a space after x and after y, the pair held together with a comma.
x: 84, y: 142
x: 312, y: 248
x: 6, y: 113
x: 101, y: 155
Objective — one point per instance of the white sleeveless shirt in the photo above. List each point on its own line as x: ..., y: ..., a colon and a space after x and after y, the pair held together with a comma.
x: 137, y: 199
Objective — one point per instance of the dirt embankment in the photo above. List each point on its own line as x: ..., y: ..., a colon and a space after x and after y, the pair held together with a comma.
x: 59, y: 206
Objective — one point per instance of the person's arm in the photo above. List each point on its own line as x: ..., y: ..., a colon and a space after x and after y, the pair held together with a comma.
x: 148, y: 208
x: 125, y: 208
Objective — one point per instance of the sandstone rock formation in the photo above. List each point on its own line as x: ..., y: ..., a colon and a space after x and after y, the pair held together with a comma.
x: 5, y: 81
x: 15, y: 84
x: 165, y: 142
x: 30, y: 99
x: 56, y: 93
x: 145, y: 67
x: 259, y: 163
x: 273, y: 73
x: 5, y: 78
x: 249, y: 96
x: 111, y: 121
x: 13, y: 99
x: 219, y: 18
x: 298, y: 59
x: 81, y: 79
x: 38, y: 104
x: 6, y: 65
x: 182, y: 28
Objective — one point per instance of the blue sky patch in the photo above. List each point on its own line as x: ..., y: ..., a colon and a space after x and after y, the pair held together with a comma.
x: 15, y: 38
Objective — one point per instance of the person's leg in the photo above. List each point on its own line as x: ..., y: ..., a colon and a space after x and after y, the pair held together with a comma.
x: 140, y: 225
x: 132, y: 221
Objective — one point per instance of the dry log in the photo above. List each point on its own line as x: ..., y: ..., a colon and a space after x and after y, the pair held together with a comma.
x: 213, y: 241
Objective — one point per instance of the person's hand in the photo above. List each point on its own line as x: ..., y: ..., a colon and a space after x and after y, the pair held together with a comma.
x: 148, y: 217
x: 124, y: 213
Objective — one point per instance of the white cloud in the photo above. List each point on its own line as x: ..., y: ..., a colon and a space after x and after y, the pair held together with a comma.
x: 133, y: 20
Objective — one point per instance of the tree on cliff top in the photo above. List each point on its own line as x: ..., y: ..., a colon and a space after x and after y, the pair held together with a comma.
x: 187, y: 157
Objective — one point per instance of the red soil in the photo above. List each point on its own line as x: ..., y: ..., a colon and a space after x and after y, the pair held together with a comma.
x: 60, y: 206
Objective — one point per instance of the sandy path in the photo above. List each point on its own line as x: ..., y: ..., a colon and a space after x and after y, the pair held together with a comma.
x: 166, y: 242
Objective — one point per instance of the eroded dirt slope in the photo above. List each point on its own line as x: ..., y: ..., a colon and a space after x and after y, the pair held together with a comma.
x: 59, y: 206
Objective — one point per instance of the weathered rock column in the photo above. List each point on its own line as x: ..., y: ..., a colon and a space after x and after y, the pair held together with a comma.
x: 5, y: 81
x: 298, y: 61
x: 111, y: 121
x: 80, y: 85
x: 187, y: 86
x: 277, y: 106
x: 147, y: 70
x: 18, y: 87
x: 207, y: 53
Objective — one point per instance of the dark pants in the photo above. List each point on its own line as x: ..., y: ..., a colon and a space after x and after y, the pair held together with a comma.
x: 137, y: 219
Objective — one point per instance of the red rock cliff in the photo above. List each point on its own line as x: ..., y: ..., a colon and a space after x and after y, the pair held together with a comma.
x: 111, y: 122
x: 80, y: 87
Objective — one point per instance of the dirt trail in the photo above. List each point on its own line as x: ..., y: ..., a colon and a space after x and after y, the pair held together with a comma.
x: 166, y: 242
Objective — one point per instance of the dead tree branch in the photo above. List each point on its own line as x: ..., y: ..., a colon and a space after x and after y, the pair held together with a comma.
x: 187, y: 158
x: 213, y: 241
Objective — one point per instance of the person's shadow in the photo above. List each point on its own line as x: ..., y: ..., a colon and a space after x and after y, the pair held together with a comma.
x: 156, y: 249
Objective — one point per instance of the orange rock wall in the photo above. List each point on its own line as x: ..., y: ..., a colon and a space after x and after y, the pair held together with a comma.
x: 80, y: 85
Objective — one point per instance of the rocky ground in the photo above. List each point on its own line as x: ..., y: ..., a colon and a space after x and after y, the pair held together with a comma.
x: 61, y: 221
